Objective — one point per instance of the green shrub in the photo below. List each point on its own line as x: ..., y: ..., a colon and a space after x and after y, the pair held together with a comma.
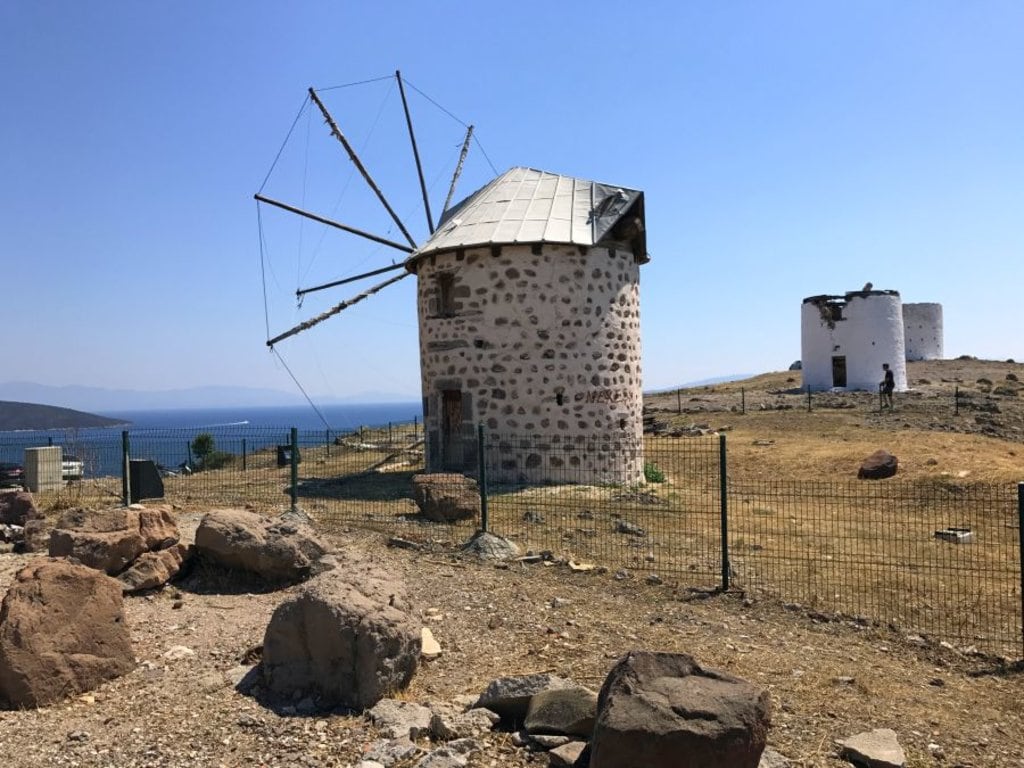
x: 652, y: 474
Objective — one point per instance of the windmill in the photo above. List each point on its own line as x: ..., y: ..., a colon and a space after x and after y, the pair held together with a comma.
x: 528, y: 311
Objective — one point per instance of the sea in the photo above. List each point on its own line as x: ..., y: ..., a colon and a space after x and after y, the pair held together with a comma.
x: 164, y: 435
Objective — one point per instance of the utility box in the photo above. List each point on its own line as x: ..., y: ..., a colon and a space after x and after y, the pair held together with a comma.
x: 284, y: 456
x: 144, y: 481
x: 43, y: 469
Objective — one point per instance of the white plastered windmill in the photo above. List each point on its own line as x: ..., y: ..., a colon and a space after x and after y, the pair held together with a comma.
x: 528, y: 317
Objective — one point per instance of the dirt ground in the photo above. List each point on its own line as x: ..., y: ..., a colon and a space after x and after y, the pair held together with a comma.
x: 827, y: 679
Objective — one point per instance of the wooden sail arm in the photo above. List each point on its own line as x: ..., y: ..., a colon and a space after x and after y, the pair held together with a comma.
x: 415, y: 152
x: 336, y: 131
x: 458, y: 169
x: 331, y: 223
x: 335, y: 309
x: 303, y: 291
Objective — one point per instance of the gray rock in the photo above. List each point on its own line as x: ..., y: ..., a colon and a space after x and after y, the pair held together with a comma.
x: 369, y: 764
x: 346, y: 637
x: 400, y: 718
x: 566, y: 755
x: 662, y: 710
x: 510, y: 697
x: 388, y: 752
x: 873, y: 749
x: 487, y: 546
x: 772, y: 759
x: 565, y: 711
x: 447, y: 724
x: 544, y: 741
x: 277, y: 550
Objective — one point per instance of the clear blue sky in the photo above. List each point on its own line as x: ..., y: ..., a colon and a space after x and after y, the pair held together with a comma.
x: 786, y: 149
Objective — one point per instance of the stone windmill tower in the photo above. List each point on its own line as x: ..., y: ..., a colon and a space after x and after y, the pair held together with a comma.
x: 529, y: 323
x: 529, y: 319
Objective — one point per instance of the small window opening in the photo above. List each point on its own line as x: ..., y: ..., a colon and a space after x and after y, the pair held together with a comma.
x: 446, y: 294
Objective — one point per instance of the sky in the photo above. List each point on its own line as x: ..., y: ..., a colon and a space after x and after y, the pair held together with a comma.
x: 785, y: 149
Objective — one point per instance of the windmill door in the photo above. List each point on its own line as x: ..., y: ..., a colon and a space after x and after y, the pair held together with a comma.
x: 839, y: 371
x: 452, y: 457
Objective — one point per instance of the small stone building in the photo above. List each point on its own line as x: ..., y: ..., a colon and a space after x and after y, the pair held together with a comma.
x: 846, y: 339
x: 529, y: 314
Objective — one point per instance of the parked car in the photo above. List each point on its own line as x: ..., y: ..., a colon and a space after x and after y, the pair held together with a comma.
x: 72, y: 468
x: 11, y: 474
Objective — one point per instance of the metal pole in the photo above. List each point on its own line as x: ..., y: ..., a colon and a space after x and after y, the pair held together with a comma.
x: 295, y: 469
x: 808, y: 398
x: 126, y: 493
x: 327, y: 441
x: 482, y: 474
x: 743, y: 400
x: 679, y: 401
x: 244, y: 467
x: 723, y: 482
x: 956, y: 401
x: 1020, y: 551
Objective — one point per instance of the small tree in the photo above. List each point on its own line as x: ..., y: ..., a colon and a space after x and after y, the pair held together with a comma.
x: 207, y: 456
x: 202, y: 447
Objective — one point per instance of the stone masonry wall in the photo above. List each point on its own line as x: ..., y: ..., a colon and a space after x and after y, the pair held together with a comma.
x: 544, y: 344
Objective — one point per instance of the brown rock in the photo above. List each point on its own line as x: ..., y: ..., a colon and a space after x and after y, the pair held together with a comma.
x: 662, y: 710
x: 37, y: 535
x: 62, y: 632
x: 110, y: 552
x: 347, y: 638
x: 878, y: 466
x: 17, y: 508
x: 446, y: 497
x: 111, y: 539
x: 154, y: 569
x: 277, y: 550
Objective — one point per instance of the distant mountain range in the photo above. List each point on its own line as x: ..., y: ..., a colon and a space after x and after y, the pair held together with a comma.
x: 15, y: 416
x: 117, y: 400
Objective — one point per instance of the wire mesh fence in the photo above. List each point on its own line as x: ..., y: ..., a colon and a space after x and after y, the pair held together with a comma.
x: 937, y: 559
x: 940, y: 558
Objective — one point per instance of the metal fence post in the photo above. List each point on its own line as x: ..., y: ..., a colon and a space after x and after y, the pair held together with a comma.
x: 1020, y: 551
x: 295, y: 469
x: 808, y: 398
x: 126, y: 492
x: 743, y: 400
x: 482, y: 474
x: 956, y: 401
x: 723, y: 483
x: 679, y: 401
x: 244, y: 454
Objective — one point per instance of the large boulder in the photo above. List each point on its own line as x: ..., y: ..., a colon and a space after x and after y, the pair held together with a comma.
x: 564, y: 712
x: 662, y: 710
x: 17, y: 508
x: 446, y: 497
x: 346, y: 638
x: 277, y: 550
x: 878, y: 466
x: 62, y: 632
x: 110, y: 540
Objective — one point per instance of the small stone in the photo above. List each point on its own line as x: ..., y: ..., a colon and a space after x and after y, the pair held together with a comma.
x: 429, y: 647
x: 567, y: 754
x: 874, y: 749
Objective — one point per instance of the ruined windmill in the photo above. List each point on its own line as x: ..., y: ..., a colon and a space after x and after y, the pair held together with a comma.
x: 529, y: 323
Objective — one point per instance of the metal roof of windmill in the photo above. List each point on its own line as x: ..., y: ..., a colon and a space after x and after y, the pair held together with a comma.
x: 526, y: 206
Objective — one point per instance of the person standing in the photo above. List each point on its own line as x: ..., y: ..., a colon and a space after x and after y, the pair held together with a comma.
x: 887, y: 385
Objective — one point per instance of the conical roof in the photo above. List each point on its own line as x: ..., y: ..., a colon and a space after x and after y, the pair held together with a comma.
x: 527, y: 206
